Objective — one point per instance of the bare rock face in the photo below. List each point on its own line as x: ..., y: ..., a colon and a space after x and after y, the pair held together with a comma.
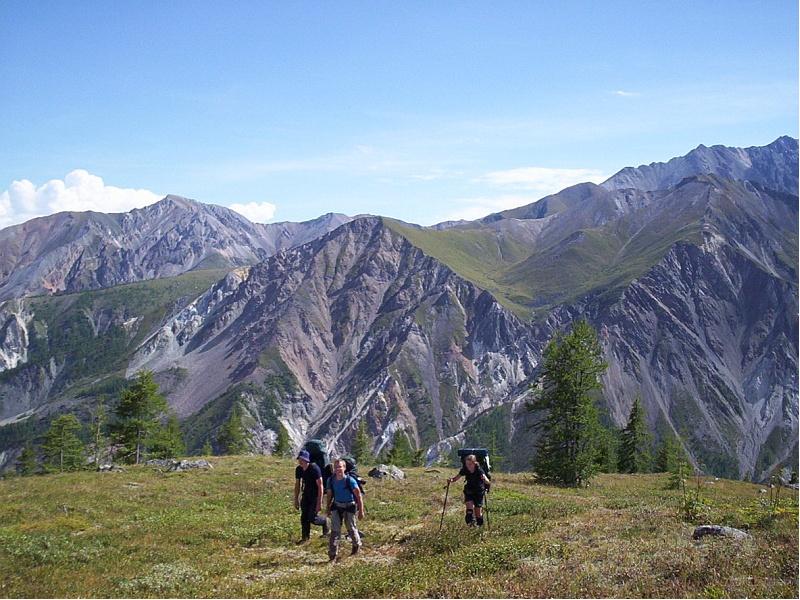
x: 696, y: 311
x: 361, y: 324
x: 69, y: 252
x: 708, y: 336
x: 774, y: 166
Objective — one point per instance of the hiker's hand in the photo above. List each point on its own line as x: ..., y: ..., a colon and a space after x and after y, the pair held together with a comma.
x: 361, y: 514
x: 319, y: 507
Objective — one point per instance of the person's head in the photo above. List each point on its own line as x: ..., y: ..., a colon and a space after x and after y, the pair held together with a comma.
x: 303, y: 459
x: 339, y: 467
x: 471, y: 462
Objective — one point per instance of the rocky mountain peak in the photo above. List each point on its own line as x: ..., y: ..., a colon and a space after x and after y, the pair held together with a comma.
x: 774, y: 166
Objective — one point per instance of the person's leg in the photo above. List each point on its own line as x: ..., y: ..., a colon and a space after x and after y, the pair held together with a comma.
x: 336, y: 531
x: 479, y: 510
x: 351, y: 522
x: 469, y: 516
x: 305, y: 521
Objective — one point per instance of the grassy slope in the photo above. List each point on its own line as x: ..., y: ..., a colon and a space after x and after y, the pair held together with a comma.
x: 478, y: 255
x: 230, y: 532
x: 70, y: 334
x: 524, y: 282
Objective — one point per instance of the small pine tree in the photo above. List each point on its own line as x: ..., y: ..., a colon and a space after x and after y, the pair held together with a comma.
x: 138, y: 415
x: 207, y: 449
x: 283, y: 446
x: 27, y: 463
x: 97, y: 427
x: 608, y: 450
x: 570, y: 381
x: 167, y: 440
x: 64, y: 450
x: 634, y: 449
x: 362, y: 444
x: 231, y: 438
x: 497, y: 459
x: 670, y: 453
x: 401, y: 454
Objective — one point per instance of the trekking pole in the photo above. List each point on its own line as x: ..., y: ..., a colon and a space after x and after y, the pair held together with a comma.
x: 446, y: 493
x: 488, y: 525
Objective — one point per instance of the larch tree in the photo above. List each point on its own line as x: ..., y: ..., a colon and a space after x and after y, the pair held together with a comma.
x: 570, y: 430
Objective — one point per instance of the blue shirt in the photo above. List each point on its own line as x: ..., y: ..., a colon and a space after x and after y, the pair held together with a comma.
x: 342, y: 488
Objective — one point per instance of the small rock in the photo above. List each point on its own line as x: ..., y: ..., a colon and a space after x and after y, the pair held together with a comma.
x: 720, y: 530
x: 171, y: 464
x: 110, y: 469
x: 386, y: 471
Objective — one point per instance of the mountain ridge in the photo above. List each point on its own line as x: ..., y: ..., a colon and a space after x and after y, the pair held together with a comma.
x: 437, y: 332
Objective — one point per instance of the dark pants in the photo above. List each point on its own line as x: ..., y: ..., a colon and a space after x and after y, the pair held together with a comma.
x: 308, y: 516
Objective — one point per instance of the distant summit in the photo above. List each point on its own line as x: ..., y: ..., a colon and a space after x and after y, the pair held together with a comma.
x: 774, y: 166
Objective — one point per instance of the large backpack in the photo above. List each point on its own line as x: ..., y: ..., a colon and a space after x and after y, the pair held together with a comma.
x: 318, y: 451
x: 482, y: 454
x: 351, y: 469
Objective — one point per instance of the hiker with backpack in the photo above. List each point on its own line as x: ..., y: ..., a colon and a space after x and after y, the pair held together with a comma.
x: 475, y: 488
x: 344, y: 504
x: 308, y: 495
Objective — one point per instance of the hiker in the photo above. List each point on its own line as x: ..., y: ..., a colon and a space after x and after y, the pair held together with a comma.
x: 308, y: 476
x: 344, y: 500
x: 474, y: 489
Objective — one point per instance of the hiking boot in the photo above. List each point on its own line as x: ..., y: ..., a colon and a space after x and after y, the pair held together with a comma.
x: 302, y: 541
x: 355, y: 549
x: 325, y: 530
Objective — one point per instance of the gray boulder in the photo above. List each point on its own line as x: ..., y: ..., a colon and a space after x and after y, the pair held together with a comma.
x: 720, y: 530
x: 110, y: 468
x: 172, y: 464
x: 386, y: 472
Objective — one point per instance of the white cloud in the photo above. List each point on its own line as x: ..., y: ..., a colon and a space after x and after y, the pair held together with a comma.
x: 78, y: 191
x: 474, y: 208
x: 542, y: 180
x: 625, y: 94
x: 257, y: 212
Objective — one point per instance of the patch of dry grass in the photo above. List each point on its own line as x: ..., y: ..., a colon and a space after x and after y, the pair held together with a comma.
x: 230, y: 532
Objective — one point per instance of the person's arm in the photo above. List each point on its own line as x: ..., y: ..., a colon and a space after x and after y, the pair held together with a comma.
x: 328, y: 498
x: 359, y: 502
x: 486, y: 480
x: 319, y: 494
x: 296, y: 494
x: 454, y: 479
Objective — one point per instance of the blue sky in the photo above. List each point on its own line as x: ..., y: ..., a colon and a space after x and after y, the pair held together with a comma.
x: 424, y: 111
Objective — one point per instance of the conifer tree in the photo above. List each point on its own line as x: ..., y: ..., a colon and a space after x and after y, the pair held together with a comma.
x: 231, y: 438
x: 138, y: 413
x: 362, y: 444
x: 97, y: 426
x: 167, y: 440
x: 670, y: 454
x: 634, y: 449
x: 63, y: 449
x: 283, y: 446
x: 497, y: 459
x: 570, y: 428
x: 401, y: 454
x: 27, y: 463
x: 608, y: 450
x: 207, y: 449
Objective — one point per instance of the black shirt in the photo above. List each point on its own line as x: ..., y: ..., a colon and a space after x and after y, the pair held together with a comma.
x: 474, y: 479
x: 309, y: 478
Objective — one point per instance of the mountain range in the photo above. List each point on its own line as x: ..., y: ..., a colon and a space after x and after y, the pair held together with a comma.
x: 687, y: 269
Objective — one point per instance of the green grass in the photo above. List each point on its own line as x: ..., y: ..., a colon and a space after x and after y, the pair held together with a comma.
x: 530, y: 281
x: 230, y: 532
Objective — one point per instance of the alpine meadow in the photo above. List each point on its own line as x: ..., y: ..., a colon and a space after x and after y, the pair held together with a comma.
x: 426, y: 329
